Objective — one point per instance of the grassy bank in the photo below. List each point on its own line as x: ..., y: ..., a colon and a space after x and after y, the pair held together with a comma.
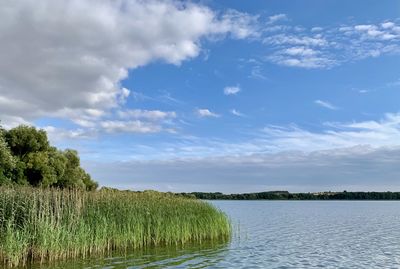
x: 45, y: 225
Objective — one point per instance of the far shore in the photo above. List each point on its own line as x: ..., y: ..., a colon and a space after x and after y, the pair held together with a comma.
x: 285, y: 195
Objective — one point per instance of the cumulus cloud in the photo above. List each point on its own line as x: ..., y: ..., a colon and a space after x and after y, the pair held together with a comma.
x: 325, y: 104
x: 67, y: 58
x: 232, y: 90
x: 203, y: 112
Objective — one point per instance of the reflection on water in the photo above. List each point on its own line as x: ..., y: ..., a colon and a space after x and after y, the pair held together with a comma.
x: 202, y: 255
x: 283, y: 234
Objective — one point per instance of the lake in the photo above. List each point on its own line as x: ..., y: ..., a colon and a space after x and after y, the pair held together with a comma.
x: 284, y: 234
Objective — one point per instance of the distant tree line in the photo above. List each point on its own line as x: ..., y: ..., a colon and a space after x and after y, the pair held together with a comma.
x: 285, y: 195
x: 27, y: 158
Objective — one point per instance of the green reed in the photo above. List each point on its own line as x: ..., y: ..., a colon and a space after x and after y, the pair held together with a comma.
x: 47, y: 225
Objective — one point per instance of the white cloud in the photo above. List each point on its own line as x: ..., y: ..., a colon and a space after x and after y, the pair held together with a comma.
x: 317, y: 29
x: 282, y: 58
x: 387, y: 25
x: 342, y: 155
x: 365, y: 27
x: 8, y: 121
x: 59, y: 134
x: 239, y: 25
x: 206, y: 113
x: 130, y: 121
x: 135, y: 126
x: 67, y: 59
x: 257, y: 72
x: 373, y: 31
x: 277, y: 17
x: 325, y: 104
x: 356, y: 168
x: 232, y: 90
x: 280, y: 39
x: 146, y: 114
x: 301, y: 56
x: 300, y: 51
x: 382, y: 133
x: 236, y: 113
x: 275, y: 139
x: 330, y: 46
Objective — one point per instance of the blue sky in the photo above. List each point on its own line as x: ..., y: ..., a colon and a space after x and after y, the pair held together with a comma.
x: 228, y: 96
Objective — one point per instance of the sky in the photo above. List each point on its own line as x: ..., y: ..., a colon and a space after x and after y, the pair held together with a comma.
x: 229, y: 96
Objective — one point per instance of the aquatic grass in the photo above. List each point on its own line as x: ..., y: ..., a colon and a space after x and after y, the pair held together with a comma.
x: 48, y: 224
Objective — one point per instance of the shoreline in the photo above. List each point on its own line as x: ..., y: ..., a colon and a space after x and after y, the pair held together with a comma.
x: 310, y: 196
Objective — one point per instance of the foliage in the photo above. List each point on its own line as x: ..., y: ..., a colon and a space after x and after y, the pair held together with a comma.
x: 39, y: 224
x: 7, y: 162
x: 284, y: 195
x: 26, y: 158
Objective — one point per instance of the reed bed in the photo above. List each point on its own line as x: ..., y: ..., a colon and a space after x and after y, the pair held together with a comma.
x: 42, y: 225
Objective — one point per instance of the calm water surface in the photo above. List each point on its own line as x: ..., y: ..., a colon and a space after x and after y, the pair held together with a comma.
x: 284, y: 234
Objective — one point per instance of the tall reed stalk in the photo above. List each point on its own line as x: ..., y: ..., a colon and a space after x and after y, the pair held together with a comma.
x: 47, y: 225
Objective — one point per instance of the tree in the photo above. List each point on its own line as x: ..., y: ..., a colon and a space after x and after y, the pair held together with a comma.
x: 57, y: 162
x: 7, y: 162
x: 24, y: 139
x: 44, y: 168
x: 71, y: 177
x: 74, y: 176
x: 26, y: 158
x: 90, y: 184
x: 30, y: 148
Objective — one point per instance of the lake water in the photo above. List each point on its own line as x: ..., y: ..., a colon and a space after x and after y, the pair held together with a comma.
x: 285, y: 234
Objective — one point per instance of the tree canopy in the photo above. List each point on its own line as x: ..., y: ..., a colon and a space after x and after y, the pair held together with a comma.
x: 27, y: 158
x: 285, y: 195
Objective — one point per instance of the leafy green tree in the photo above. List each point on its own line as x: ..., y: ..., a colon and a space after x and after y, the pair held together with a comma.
x: 19, y: 176
x: 7, y: 162
x: 57, y: 162
x: 74, y: 176
x: 30, y: 148
x: 39, y: 171
x: 71, y: 177
x: 23, y: 140
x: 90, y: 184
x: 26, y: 158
